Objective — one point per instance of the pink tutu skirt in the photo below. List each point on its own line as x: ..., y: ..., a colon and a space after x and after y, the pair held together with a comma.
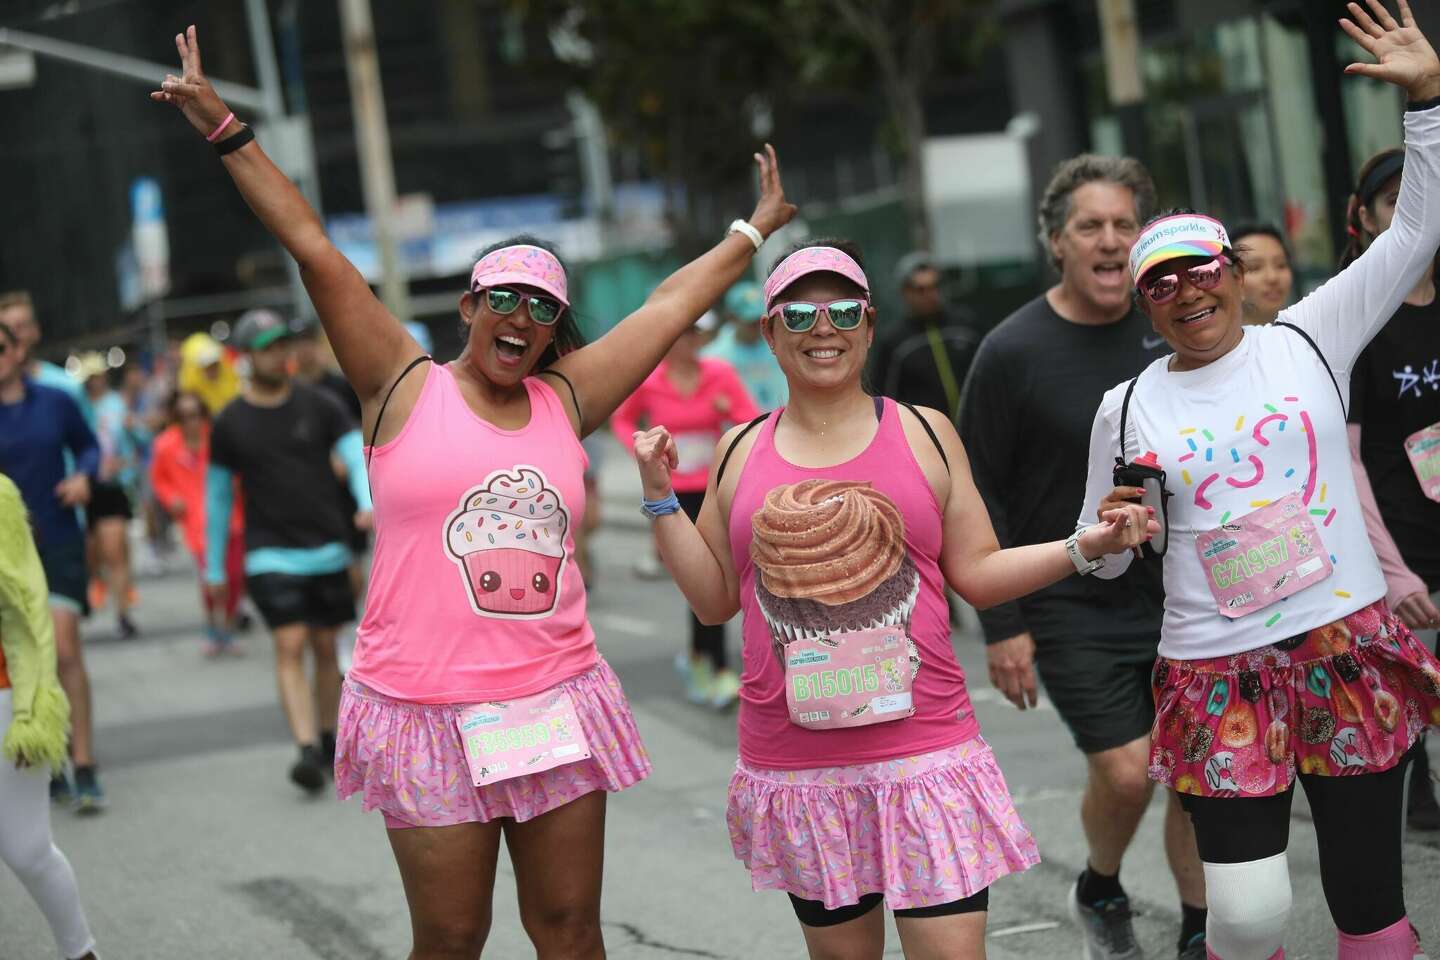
x: 406, y: 759
x: 921, y: 830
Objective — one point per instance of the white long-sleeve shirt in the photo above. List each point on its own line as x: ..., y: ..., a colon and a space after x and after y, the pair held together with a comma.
x: 1264, y: 421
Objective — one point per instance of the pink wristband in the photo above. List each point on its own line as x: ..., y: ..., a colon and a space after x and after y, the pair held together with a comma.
x: 220, y: 129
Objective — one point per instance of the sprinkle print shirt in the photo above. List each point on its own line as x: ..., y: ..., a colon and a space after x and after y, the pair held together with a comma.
x: 1264, y: 422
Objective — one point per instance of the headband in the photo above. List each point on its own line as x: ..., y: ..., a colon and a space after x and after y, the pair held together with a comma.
x: 524, y: 264
x: 1183, y: 235
x: 808, y: 260
x: 1382, y: 173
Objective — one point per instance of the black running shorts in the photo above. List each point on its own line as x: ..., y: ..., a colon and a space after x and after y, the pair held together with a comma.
x: 320, y: 600
x: 1100, y: 686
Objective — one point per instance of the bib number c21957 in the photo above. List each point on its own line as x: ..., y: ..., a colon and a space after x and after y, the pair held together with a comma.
x: 1263, y: 557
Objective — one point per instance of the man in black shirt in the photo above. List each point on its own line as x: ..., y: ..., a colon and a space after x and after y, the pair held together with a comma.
x: 278, y: 438
x: 925, y: 360
x: 1026, y: 416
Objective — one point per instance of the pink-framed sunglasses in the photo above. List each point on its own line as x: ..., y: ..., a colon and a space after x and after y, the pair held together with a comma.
x: 1203, y: 276
x: 800, y: 315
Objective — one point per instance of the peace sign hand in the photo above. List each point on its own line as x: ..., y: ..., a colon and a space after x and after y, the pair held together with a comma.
x: 191, y: 92
x: 1405, y: 57
x: 772, y: 211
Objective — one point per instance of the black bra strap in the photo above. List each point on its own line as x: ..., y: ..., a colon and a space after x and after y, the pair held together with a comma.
x: 375, y: 433
x: 929, y: 431
x: 1323, y: 362
x: 575, y: 398
x: 734, y: 443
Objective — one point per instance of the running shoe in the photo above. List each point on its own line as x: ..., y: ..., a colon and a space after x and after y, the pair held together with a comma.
x: 1194, y: 950
x: 126, y: 628
x: 699, y: 678
x: 308, y: 773
x: 1106, y: 924
x: 89, y: 795
x: 725, y: 689
x: 61, y: 793
x: 648, y: 566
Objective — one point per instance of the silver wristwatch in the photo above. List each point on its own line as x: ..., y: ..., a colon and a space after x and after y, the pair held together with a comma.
x: 1082, y: 566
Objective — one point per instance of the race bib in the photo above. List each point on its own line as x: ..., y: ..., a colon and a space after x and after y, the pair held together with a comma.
x: 1423, y: 449
x: 1263, y: 557
x: 696, y: 449
x: 849, y: 679
x: 529, y: 735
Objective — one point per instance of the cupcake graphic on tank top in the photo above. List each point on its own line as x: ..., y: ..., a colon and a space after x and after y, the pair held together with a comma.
x: 830, y: 556
x: 508, y: 539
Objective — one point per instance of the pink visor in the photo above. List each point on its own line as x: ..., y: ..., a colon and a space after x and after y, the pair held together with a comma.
x: 522, y: 264
x: 813, y: 260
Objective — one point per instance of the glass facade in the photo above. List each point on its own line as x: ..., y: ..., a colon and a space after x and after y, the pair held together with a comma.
x: 1232, y: 128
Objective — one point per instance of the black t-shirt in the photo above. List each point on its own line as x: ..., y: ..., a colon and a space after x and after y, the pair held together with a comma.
x: 282, y: 457
x: 1395, y: 391
x: 905, y: 367
x: 1028, y: 408
x: 339, y: 388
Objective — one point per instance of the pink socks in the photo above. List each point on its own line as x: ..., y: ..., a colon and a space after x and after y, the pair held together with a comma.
x: 1395, y: 942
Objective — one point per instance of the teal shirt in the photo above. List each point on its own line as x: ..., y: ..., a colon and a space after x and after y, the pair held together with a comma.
x: 757, y: 366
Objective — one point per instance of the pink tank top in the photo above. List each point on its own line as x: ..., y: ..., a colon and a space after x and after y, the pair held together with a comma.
x: 474, y: 593
x: 907, y: 588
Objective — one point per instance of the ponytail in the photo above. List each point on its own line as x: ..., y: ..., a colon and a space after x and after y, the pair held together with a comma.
x: 1377, y: 171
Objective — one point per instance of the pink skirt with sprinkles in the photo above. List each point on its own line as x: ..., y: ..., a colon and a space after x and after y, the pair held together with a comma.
x: 922, y: 830
x: 406, y: 759
x: 1347, y: 698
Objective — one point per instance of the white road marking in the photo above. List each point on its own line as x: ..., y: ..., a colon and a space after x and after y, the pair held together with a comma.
x: 1022, y: 928
x: 991, y: 695
x: 624, y: 624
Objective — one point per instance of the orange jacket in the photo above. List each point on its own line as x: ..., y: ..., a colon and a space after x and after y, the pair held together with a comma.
x: 177, y: 475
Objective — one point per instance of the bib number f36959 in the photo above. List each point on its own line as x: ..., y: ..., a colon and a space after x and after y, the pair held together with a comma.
x: 519, y: 737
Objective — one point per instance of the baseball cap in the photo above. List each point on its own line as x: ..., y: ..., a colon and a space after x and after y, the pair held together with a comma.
x: 745, y: 301
x: 257, y: 329
x: 1170, y: 238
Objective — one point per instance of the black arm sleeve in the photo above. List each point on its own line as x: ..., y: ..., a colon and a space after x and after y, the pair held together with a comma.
x: 988, y: 428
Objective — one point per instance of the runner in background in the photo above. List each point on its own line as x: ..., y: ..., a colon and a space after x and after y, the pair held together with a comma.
x: 1269, y: 279
x: 1395, y: 437
x: 1029, y: 402
x: 740, y: 343
x: 207, y: 372
x: 50, y: 452
x: 110, y: 508
x: 178, y: 469
x: 924, y: 360
x: 696, y: 399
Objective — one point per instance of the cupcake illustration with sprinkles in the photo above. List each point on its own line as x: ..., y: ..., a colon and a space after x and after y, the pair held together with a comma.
x: 831, y: 557
x: 508, y: 539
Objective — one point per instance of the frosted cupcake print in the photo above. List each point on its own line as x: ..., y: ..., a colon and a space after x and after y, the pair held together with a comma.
x: 831, y: 557
x: 508, y: 539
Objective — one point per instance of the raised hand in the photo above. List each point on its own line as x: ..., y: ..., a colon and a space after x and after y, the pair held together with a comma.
x: 190, y: 91
x: 657, y: 457
x: 772, y: 211
x: 1404, y: 57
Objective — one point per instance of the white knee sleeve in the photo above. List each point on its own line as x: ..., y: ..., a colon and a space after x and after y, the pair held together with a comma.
x: 1249, y: 903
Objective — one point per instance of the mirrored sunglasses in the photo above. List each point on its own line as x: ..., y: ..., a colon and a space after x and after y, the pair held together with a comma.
x: 1202, y: 276
x: 504, y: 301
x: 799, y: 316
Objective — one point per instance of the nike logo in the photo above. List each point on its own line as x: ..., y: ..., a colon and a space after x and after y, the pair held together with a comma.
x: 1150, y: 343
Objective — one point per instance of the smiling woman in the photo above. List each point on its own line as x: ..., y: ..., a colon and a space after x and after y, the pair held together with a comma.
x: 1275, y: 617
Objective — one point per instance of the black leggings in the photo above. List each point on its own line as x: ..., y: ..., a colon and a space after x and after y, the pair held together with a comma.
x: 1358, y: 828
x: 812, y: 913
x: 705, y: 640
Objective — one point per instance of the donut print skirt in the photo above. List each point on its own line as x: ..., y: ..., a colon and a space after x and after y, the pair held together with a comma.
x: 406, y: 759
x: 1344, y: 699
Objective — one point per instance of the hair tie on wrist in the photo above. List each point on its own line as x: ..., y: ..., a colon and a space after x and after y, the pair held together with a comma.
x: 233, y: 143
x: 221, y: 128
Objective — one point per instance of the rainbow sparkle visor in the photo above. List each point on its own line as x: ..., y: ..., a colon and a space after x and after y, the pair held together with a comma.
x: 1169, y: 238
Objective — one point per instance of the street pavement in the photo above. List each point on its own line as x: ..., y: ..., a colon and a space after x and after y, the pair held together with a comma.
x: 208, y: 850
